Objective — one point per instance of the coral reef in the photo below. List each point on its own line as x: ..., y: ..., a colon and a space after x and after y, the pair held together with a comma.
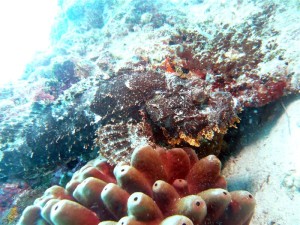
x: 192, y: 90
x: 229, y: 62
x: 182, y: 72
x: 79, y: 16
x: 242, y: 57
x: 159, y: 186
x: 8, y: 190
x: 39, y: 134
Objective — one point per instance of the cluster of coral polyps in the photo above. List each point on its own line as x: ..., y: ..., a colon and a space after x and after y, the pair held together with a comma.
x: 158, y: 187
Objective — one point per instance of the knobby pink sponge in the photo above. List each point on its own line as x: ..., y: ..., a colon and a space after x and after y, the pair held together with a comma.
x: 158, y: 187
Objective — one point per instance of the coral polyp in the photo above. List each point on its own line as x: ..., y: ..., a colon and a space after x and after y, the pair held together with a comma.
x: 159, y: 186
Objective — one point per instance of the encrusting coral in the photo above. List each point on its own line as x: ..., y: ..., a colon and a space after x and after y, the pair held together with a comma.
x: 159, y: 186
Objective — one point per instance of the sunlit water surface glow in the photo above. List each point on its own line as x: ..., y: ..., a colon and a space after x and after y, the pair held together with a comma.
x: 25, y: 29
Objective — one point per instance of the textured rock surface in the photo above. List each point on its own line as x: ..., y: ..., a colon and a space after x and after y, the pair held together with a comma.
x: 42, y: 134
x: 238, y: 62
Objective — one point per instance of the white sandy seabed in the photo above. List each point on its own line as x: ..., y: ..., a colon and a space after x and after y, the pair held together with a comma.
x: 270, y: 169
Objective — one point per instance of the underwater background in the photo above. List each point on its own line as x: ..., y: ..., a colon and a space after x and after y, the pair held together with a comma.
x: 187, y: 79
